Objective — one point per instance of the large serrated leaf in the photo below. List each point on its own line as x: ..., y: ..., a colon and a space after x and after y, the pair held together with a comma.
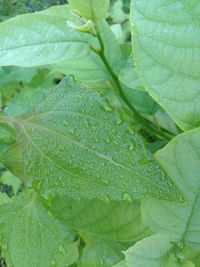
x: 30, y: 235
x: 166, y: 43
x: 181, y: 222
x: 75, y: 144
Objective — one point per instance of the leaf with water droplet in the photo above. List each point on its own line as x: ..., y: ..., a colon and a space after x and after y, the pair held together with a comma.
x: 30, y: 235
x: 83, y: 162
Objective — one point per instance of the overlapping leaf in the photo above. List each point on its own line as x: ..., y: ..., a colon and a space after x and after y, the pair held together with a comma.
x: 153, y: 251
x: 30, y: 235
x: 114, y: 220
x: 91, y: 9
x: 181, y: 222
x: 166, y: 43
x: 38, y: 39
x: 75, y: 144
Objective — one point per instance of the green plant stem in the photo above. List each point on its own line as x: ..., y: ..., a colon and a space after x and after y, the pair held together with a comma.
x: 118, y: 88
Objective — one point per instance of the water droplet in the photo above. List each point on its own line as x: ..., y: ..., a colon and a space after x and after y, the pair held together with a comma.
x: 127, y: 197
x: 62, y: 249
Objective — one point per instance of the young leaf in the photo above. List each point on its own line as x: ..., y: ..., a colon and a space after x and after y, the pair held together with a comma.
x: 181, y: 222
x: 114, y: 220
x: 89, y: 68
x: 39, y: 39
x: 153, y: 251
x: 31, y: 236
x: 91, y: 9
x: 166, y: 43
x: 75, y: 144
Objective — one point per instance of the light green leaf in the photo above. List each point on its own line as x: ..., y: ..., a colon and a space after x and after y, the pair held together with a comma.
x: 31, y: 236
x: 20, y: 103
x: 166, y: 43
x: 129, y: 77
x: 17, y: 74
x: 62, y: 11
x: 39, y: 39
x: 9, y: 179
x: 91, y: 9
x: 119, y: 221
x: 153, y: 251
x: 75, y: 144
x: 181, y: 161
x: 117, y: 13
x: 101, y: 253
x: 88, y: 68
x: 162, y: 119
x: 111, y: 46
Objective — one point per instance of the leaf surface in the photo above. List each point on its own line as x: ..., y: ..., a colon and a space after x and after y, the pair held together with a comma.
x: 91, y: 9
x: 181, y: 161
x: 101, y: 253
x: 76, y: 144
x: 153, y: 251
x: 39, y: 39
x: 166, y: 43
x: 114, y: 220
x: 30, y: 234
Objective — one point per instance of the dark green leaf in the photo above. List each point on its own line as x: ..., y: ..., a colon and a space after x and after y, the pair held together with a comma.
x: 75, y: 144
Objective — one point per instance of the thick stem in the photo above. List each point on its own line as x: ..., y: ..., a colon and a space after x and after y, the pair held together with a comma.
x: 119, y: 90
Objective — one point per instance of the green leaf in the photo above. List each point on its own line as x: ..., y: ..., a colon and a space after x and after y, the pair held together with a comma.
x: 101, y: 253
x: 153, y: 251
x: 9, y: 179
x: 17, y: 74
x: 75, y: 144
x: 67, y: 255
x: 88, y: 68
x: 91, y: 9
x: 19, y: 104
x: 141, y: 101
x: 117, y: 12
x: 129, y: 77
x: 119, y: 221
x: 39, y: 39
x: 166, y: 43
x: 192, y: 255
x: 31, y: 236
x: 111, y: 46
x: 121, y: 264
x: 181, y: 161
x: 7, y: 133
x: 11, y: 157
